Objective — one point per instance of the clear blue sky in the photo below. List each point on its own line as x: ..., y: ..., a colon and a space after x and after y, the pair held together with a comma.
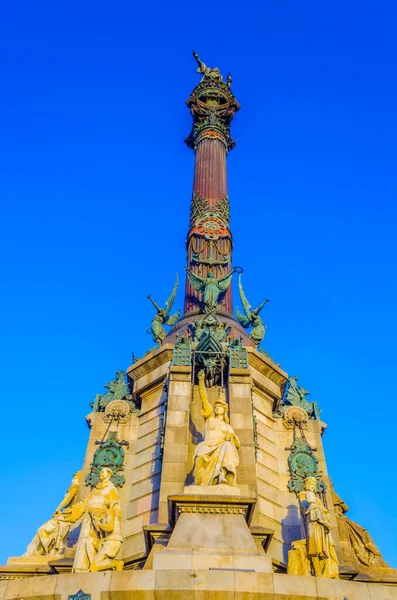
x: 95, y: 184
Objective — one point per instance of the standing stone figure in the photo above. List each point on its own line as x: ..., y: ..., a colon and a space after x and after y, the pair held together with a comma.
x: 317, y: 530
x: 216, y: 458
x: 100, y: 537
x: 50, y: 537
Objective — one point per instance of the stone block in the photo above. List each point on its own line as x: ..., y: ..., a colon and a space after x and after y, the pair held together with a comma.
x: 147, y: 456
x: 135, y: 525
x: 41, y: 587
x: 247, y: 455
x: 179, y: 388
x: 253, y: 586
x: 241, y: 405
x: 175, y: 453
x: 246, y: 437
x: 169, y: 559
x: 268, y: 492
x: 168, y: 488
x: 3, y: 589
x: 148, y: 426
x: 291, y: 587
x: 251, y: 562
x: 147, y: 441
x: 176, y: 435
x: 174, y: 584
x: 151, y: 414
x: 268, y: 460
x: 239, y: 390
x: 131, y: 585
x: 177, y: 418
x: 145, y: 471
x: 179, y: 402
x: 380, y: 592
x: 265, y: 507
x: 334, y: 589
x: 134, y: 547
x: 174, y: 472
x: 263, y: 403
x: 266, y: 432
x: 91, y: 583
x: 241, y: 421
x: 219, y: 585
x: 142, y: 505
x: 246, y: 473
x: 149, y: 486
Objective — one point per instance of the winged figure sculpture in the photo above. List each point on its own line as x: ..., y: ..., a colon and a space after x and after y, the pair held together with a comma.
x: 210, y: 287
x: 251, y: 318
x: 162, y: 317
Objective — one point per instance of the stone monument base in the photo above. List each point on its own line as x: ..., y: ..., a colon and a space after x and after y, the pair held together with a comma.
x: 177, y: 584
x: 211, y: 532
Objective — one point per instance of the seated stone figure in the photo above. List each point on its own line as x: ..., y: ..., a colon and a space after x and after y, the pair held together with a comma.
x: 216, y: 458
x: 363, y: 549
x: 322, y: 560
x: 50, y: 538
x: 100, y: 538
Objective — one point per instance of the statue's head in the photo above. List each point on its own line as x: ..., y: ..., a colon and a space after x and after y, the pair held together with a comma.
x: 220, y: 406
x: 106, y: 473
x: 210, y: 275
x: 76, y: 478
x: 310, y: 484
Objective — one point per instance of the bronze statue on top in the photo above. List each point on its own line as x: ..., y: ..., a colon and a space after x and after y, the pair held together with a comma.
x: 202, y: 68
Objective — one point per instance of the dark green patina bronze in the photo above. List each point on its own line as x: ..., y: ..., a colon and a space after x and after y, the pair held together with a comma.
x: 109, y: 454
x: 295, y: 395
x: 251, y: 317
x: 118, y: 389
x: 182, y: 352
x: 210, y: 287
x: 238, y: 355
x: 162, y: 317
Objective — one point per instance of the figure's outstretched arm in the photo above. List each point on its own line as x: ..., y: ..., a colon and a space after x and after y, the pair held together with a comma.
x: 199, y: 62
x: 67, y: 499
x: 206, y: 409
x: 156, y: 306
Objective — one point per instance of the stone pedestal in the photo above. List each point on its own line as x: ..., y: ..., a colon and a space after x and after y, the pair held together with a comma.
x: 211, y: 532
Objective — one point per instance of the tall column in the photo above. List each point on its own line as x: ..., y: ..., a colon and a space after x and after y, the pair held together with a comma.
x: 209, y: 241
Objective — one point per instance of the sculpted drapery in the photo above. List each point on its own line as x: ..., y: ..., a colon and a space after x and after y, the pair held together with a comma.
x: 50, y: 538
x: 322, y: 560
x: 216, y: 458
x: 100, y: 538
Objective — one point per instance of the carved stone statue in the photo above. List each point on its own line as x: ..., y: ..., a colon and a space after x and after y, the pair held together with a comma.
x: 364, y: 550
x: 206, y: 71
x: 251, y: 318
x: 216, y: 458
x: 162, y: 317
x: 50, y: 538
x: 210, y: 286
x: 316, y: 527
x: 100, y: 538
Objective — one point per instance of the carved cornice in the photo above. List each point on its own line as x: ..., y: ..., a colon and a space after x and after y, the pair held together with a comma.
x: 213, y: 505
x: 212, y: 106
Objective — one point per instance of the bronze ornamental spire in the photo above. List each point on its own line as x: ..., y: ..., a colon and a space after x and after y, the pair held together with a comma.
x: 209, y: 241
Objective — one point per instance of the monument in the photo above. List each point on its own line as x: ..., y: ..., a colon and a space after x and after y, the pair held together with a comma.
x: 204, y: 475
